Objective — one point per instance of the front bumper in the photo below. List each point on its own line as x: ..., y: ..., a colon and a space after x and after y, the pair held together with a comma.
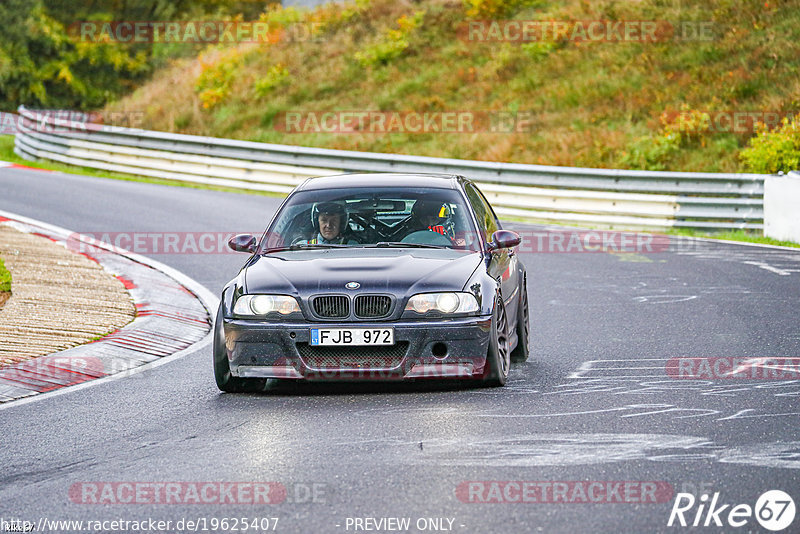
x: 444, y: 348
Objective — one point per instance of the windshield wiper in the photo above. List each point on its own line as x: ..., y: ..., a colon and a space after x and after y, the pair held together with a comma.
x: 380, y: 244
x: 400, y: 244
x: 315, y: 245
x: 303, y: 246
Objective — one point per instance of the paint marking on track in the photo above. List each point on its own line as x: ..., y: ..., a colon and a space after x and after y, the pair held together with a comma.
x: 768, y: 267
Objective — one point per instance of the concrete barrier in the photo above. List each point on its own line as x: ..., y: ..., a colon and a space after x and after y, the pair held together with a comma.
x: 782, y: 207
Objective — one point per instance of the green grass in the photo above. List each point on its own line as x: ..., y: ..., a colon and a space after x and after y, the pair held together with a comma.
x: 745, y: 236
x: 5, y: 278
x: 7, y: 154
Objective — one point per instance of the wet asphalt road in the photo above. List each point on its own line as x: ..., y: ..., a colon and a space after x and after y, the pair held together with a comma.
x: 593, y: 403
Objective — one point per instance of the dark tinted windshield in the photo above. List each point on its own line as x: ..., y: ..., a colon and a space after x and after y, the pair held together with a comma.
x: 363, y: 217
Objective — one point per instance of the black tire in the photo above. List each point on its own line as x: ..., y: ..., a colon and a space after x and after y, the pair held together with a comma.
x: 222, y: 371
x: 498, y: 360
x: 522, y: 350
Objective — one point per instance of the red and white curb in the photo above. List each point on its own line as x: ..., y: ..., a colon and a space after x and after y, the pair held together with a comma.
x: 8, y: 164
x: 174, y: 315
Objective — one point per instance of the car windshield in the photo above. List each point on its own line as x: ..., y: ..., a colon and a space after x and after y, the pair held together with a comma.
x: 374, y: 217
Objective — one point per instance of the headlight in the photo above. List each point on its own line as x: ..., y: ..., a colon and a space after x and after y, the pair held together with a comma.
x: 445, y: 303
x: 265, y: 304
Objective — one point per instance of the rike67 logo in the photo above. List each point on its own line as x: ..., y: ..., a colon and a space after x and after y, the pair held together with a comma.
x: 774, y: 510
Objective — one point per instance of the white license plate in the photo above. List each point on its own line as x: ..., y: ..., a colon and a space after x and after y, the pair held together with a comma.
x: 352, y: 336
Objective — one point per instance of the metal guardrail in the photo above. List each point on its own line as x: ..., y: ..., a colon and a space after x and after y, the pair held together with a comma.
x: 599, y: 197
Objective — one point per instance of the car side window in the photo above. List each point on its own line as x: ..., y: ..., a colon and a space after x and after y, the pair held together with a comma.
x: 490, y: 211
x: 487, y: 221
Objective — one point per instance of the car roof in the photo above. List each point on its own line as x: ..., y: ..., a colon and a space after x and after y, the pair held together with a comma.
x: 441, y: 181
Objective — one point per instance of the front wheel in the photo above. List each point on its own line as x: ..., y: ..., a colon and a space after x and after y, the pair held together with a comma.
x: 222, y: 371
x: 498, y: 361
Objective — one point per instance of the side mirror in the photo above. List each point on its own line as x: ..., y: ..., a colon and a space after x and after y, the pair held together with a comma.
x: 504, y: 239
x: 243, y: 243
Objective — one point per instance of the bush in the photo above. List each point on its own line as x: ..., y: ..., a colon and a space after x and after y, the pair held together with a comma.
x: 539, y: 49
x: 276, y: 75
x: 771, y: 151
x: 690, y: 126
x: 41, y: 65
x: 333, y: 15
x: 651, y: 153
x: 492, y: 9
x: 392, y: 44
x: 44, y: 62
x: 216, y: 79
x: 281, y: 17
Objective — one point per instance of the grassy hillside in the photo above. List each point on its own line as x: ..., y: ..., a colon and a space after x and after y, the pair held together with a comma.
x: 596, y: 104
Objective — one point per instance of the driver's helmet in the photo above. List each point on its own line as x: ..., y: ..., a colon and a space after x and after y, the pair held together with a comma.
x: 339, y: 208
x: 432, y: 214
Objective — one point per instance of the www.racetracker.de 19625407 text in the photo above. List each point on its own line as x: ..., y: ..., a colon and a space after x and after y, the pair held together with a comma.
x: 198, y: 524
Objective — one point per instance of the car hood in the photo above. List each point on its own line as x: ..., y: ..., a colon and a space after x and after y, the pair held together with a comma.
x: 400, y: 272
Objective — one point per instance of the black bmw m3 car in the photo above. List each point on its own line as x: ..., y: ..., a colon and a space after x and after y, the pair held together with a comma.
x: 375, y: 277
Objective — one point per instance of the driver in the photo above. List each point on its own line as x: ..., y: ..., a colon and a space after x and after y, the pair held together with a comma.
x: 433, y: 216
x: 428, y: 215
x: 330, y: 222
